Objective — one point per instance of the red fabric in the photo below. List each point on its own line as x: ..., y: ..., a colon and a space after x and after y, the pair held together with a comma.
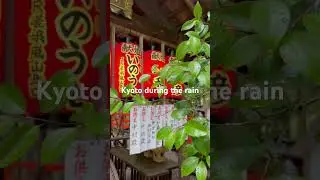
x: 23, y: 11
x: 222, y: 110
x: 153, y: 61
x: 127, y: 66
x: 170, y: 86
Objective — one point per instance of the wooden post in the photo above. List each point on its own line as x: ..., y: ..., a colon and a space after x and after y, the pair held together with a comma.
x: 113, y: 52
x: 141, y: 38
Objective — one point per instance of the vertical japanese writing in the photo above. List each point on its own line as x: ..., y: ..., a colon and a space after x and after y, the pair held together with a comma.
x: 121, y: 73
x: 143, y: 143
x: 148, y: 120
x: 160, y: 116
x: 37, y: 38
x: 134, y: 131
x: 157, y: 56
x: 75, y: 28
x: 80, y: 162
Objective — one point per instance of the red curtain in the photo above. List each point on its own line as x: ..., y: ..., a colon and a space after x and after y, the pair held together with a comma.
x: 220, y: 77
x: 153, y: 62
x: 175, y: 86
x: 127, y: 66
x: 51, y: 36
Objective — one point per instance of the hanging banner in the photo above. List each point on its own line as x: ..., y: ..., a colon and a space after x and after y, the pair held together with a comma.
x: 153, y: 62
x: 51, y: 36
x: 1, y: 42
x: 220, y: 81
x: 127, y: 66
x: 146, y: 121
x: 85, y: 160
x: 179, y: 87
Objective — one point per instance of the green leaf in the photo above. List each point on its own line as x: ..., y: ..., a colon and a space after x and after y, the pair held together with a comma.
x: 143, y: 78
x: 194, y: 68
x: 180, y: 138
x: 59, y: 81
x: 189, y: 165
x: 194, y: 44
x: 164, y: 133
x: 19, y: 144
x: 208, y: 161
x: 6, y: 123
x: 189, y: 150
x: 116, y: 107
x: 192, y: 34
x: 197, y: 11
x: 140, y: 100
x: 271, y: 20
x: 169, y: 140
x: 201, y: 171
x: 196, y: 129
x: 206, y: 49
x: 182, y: 50
x: 179, y: 114
x: 204, y: 79
x: 113, y: 93
x: 182, y: 104
x: 244, y: 51
x: 312, y: 22
x: 202, y: 144
x: 101, y: 56
x: 56, y: 144
x: 127, y: 107
x: 11, y: 100
x: 188, y: 25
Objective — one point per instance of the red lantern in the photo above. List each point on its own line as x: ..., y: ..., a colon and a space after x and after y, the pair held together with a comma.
x: 127, y: 66
x: 224, y: 79
x: 153, y: 63
x: 179, y: 86
x: 51, y: 36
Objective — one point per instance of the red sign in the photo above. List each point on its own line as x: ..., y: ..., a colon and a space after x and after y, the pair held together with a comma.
x: 179, y: 87
x: 127, y: 66
x: 153, y: 62
x: 221, y: 79
x: 52, y: 36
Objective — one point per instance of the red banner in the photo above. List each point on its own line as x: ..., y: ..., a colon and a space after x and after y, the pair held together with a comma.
x: 178, y: 86
x: 51, y: 36
x: 127, y: 66
x: 221, y: 79
x: 153, y: 62
x: 1, y: 42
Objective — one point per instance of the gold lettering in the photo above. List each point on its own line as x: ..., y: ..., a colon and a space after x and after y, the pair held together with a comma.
x: 37, y: 38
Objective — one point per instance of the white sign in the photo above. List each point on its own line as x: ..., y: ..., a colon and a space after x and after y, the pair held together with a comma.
x: 145, y: 122
x: 85, y: 160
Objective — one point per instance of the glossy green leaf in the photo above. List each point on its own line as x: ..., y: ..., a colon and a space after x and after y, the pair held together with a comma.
x: 169, y: 140
x: 189, y: 165
x: 116, y: 107
x: 144, y: 78
x: 56, y: 144
x: 164, y: 133
x: 204, y: 79
x: 208, y: 161
x: 11, y: 100
x: 194, y: 44
x: 270, y: 19
x: 101, y: 56
x: 179, y: 114
x: 140, y: 100
x: 180, y: 138
x: 189, y: 150
x: 244, y: 51
x: 202, y: 144
x: 201, y: 171
x: 206, y: 49
x: 188, y: 25
x: 196, y: 129
x: 182, y: 50
x: 192, y: 34
x: 113, y: 93
x: 194, y: 68
x: 197, y: 11
x: 22, y: 146
x: 127, y: 107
